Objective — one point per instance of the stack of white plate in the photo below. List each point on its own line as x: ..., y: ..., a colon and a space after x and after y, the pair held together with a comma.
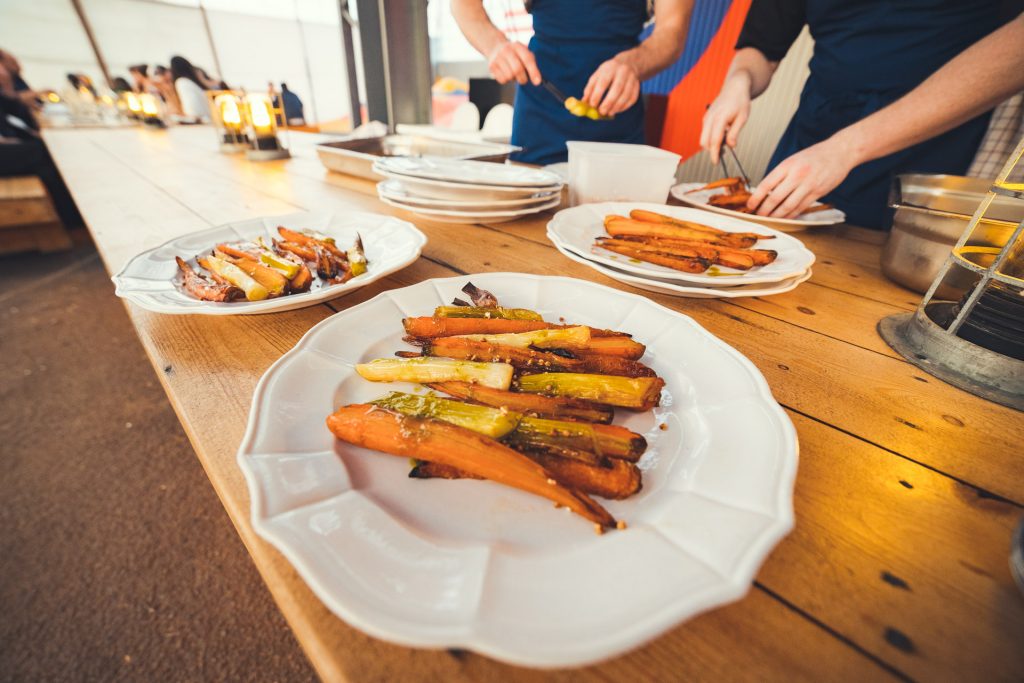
x: 462, y: 191
x: 574, y: 232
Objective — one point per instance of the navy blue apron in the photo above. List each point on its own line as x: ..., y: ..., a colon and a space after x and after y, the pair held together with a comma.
x: 867, y: 54
x: 571, y: 39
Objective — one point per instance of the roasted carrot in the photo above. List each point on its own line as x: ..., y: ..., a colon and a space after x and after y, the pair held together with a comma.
x: 652, y: 217
x: 686, y: 265
x: 306, y: 240
x: 616, y: 480
x: 554, y: 407
x: 761, y: 257
x: 617, y: 226
x: 431, y: 327
x: 304, y: 252
x: 268, y: 277
x: 528, y: 359
x: 732, y: 258
x: 721, y: 182
x: 234, y: 251
x: 435, y: 441
x: 302, y: 280
x: 623, y: 347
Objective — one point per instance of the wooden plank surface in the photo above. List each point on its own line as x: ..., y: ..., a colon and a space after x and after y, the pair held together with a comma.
x: 897, y: 565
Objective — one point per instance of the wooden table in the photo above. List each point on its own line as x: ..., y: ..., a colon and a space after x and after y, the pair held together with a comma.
x: 907, y: 493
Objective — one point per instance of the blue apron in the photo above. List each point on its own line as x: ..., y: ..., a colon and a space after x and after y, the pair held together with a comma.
x: 571, y: 39
x: 867, y: 54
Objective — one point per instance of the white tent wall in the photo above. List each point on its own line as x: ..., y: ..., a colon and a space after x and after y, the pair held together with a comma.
x: 46, y: 36
x: 256, y: 41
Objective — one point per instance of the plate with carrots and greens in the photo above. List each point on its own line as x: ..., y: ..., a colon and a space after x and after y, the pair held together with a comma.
x: 269, y: 264
x: 435, y: 463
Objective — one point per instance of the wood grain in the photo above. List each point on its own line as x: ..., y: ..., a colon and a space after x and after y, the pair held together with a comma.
x: 896, y: 567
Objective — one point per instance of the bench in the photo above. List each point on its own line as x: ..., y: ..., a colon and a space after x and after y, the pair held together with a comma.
x: 27, y: 218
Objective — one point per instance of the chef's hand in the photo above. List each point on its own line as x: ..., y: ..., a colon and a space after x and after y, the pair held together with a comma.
x: 613, y: 88
x: 512, y: 61
x: 726, y: 116
x: 801, y: 179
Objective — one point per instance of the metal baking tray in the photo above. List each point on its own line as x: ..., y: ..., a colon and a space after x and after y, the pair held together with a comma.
x: 356, y: 156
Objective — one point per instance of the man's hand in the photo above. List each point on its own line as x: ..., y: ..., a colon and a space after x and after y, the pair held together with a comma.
x: 726, y: 116
x: 613, y: 88
x: 800, y: 180
x: 512, y: 61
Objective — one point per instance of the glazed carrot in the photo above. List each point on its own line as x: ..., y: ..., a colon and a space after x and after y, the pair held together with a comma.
x: 435, y: 441
x: 617, y: 226
x: 302, y: 280
x: 306, y: 240
x: 721, y: 182
x: 761, y: 257
x: 429, y: 327
x: 652, y: 217
x: 234, y: 251
x: 732, y: 259
x: 554, y: 407
x: 680, y: 263
x: 461, y: 348
x: 304, y: 252
x: 617, y: 480
x: 623, y: 347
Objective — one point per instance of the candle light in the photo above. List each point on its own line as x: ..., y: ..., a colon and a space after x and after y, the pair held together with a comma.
x: 228, y: 118
x: 134, y: 106
x: 264, y: 140
x: 151, y: 110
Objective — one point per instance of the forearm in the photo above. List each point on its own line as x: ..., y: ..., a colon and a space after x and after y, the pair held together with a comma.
x: 973, y: 82
x: 476, y: 26
x: 751, y: 70
x: 666, y: 42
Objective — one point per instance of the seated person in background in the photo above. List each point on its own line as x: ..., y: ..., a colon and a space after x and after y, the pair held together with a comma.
x: 22, y: 152
x: 140, y: 78
x: 24, y: 92
x: 163, y: 85
x: 121, y: 85
x: 190, y: 89
x: 588, y: 49
x: 209, y: 81
x: 293, y: 110
x: 857, y: 69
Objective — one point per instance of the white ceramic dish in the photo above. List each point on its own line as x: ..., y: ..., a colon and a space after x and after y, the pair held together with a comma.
x: 465, y: 171
x: 577, y: 228
x: 700, y: 200
x: 440, y: 189
x: 473, y: 216
x: 152, y: 280
x: 470, y: 564
x: 395, y: 190
x: 688, y: 292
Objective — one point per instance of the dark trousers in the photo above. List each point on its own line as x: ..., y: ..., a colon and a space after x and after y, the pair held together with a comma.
x: 30, y: 157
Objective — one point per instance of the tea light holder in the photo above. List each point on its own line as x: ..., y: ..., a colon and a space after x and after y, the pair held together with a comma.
x: 132, y: 105
x: 262, y: 117
x: 977, y: 342
x: 151, y: 115
x: 228, y: 114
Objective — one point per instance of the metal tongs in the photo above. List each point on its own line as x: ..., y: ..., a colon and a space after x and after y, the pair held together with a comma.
x: 736, y: 160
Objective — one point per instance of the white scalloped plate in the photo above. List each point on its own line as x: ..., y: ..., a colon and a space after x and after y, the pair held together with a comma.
x: 576, y: 230
x: 151, y: 279
x: 471, y: 564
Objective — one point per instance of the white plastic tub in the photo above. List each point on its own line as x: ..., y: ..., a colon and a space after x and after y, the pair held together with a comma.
x: 616, y: 172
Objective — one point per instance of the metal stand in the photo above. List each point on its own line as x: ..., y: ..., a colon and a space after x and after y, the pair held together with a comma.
x: 988, y: 374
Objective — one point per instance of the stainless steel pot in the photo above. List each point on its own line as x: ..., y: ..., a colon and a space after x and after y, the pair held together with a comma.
x: 932, y: 211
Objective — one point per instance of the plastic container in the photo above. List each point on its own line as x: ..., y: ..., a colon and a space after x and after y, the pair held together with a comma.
x: 614, y: 172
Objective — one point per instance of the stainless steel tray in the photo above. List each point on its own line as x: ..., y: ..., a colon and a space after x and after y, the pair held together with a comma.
x: 356, y: 156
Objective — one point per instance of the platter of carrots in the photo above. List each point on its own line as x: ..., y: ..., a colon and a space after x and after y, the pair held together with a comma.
x: 679, y: 244
x: 435, y: 462
x: 729, y: 197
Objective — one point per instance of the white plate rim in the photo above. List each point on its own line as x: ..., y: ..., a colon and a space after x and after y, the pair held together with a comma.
x: 797, y: 248
x: 122, y: 283
x: 401, y: 166
x: 672, y: 289
x: 578, y: 655
x: 483, y: 215
x: 471, y: 187
x: 386, y: 189
x: 680, y: 192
